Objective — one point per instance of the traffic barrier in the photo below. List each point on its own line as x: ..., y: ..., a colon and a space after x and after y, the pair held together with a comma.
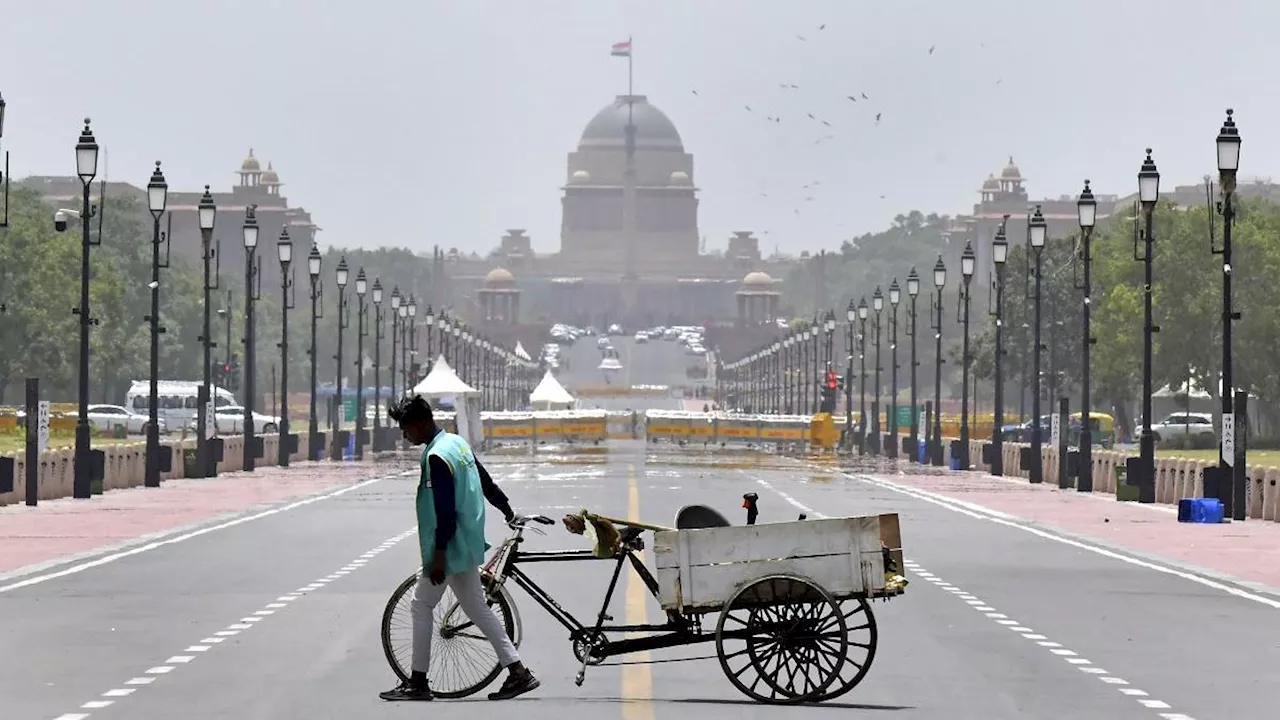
x: 725, y: 428
x: 543, y: 426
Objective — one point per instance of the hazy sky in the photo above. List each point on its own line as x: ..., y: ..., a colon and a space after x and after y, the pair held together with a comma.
x: 413, y: 122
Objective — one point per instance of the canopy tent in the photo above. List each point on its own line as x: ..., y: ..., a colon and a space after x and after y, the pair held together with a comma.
x: 550, y: 394
x: 520, y: 352
x: 443, y: 381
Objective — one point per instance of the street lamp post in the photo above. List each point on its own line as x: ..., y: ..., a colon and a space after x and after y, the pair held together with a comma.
x: 317, y: 312
x: 862, y: 380
x: 395, y: 335
x: 999, y: 253
x: 895, y: 296
x: 362, y: 286
x: 968, y: 261
x: 404, y: 344
x: 344, y: 322
x: 1232, y: 482
x: 209, y: 253
x: 1148, y: 194
x: 428, y: 328
x: 1087, y: 212
x: 877, y: 304
x: 939, y: 280
x: 412, y: 365
x: 157, y: 200
x: 377, y: 363
x: 1037, y: 230
x: 252, y: 292
x: 284, y: 251
x: 850, y: 315
x: 913, y: 290
x: 86, y: 168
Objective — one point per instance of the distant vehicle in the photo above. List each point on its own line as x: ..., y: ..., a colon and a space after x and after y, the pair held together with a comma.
x: 229, y: 420
x: 105, y: 418
x: 615, y: 329
x: 177, y: 400
x: 671, y: 334
x: 603, y: 342
x: 642, y: 338
x: 1184, y: 424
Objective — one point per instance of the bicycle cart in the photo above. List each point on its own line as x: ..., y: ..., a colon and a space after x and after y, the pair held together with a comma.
x: 792, y: 602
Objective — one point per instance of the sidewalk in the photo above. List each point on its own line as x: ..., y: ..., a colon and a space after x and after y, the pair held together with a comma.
x: 63, y: 528
x: 1248, y: 550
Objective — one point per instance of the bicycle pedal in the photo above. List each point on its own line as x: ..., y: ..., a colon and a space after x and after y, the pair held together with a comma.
x: 607, y: 617
x: 580, y: 677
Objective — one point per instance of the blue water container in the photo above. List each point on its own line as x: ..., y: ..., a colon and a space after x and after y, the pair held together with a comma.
x: 1200, y: 510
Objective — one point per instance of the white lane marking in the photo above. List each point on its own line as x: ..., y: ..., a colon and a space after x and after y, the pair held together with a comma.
x: 36, y: 580
x: 1073, y: 659
x: 984, y: 513
x: 175, y: 661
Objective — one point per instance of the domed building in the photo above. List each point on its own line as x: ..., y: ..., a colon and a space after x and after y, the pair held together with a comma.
x: 630, y: 247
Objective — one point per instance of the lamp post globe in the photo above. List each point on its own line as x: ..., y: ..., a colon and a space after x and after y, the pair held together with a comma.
x: 862, y: 308
x: 249, y: 230
x: 362, y: 284
x: 395, y: 298
x: 877, y: 300
x: 1039, y: 229
x: 851, y: 312
x: 968, y: 261
x: 895, y: 292
x: 377, y: 291
x: 157, y: 191
x: 830, y: 323
x: 1228, y: 145
x: 284, y: 247
x: 87, y: 155
x: 939, y: 273
x: 913, y: 283
x: 1086, y: 207
x: 207, y: 211
x: 1000, y: 247
x: 313, y: 262
x: 1148, y: 182
x: 342, y: 272
x: 413, y: 306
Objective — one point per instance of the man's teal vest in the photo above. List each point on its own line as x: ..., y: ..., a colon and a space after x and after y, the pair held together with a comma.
x: 467, y: 548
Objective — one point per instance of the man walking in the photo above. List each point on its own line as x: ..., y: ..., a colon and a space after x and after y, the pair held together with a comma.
x: 451, y: 509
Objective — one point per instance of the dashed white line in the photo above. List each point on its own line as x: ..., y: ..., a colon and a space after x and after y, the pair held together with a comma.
x: 250, y: 621
x: 1071, y: 657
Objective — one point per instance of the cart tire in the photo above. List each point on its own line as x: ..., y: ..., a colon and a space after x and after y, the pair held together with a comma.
x: 397, y: 639
x: 863, y: 636
x: 781, y: 623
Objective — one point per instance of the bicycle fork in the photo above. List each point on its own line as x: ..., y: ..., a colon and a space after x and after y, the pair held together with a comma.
x: 593, y: 636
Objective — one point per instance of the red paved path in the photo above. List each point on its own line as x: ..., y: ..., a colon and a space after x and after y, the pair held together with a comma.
x: 1247, y: 550
x: 60, y: 528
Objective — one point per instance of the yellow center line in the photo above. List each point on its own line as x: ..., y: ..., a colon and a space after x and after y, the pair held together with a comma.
x: 637, y: 680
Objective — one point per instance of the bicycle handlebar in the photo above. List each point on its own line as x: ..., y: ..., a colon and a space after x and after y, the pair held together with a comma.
x: 521, y: 521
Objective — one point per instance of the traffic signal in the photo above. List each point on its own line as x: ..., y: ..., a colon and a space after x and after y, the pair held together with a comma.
x: 232, y: 376
x: 833, y: 381
x: 830, y: 384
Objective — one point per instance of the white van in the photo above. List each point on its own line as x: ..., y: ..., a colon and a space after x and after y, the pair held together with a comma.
x: 177, y: 400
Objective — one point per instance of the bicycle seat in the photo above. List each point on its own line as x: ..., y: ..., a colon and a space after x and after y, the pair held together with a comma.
x: 694, y: 517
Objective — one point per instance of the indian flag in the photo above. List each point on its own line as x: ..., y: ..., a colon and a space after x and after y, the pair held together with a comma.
x: 622, y: 49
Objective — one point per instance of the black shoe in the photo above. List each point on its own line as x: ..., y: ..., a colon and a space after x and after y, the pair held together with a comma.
x: 517, y: 684
x: 407, y: 691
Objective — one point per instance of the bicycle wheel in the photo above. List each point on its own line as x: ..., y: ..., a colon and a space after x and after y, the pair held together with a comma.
x: 462, y: 660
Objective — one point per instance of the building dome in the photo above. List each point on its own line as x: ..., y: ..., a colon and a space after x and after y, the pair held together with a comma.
x: 991, y: 184
x: 580, y: 177
x: 270, y: 177
x: 499, y: 278
x: 608, y: 129
x: 250, y: 164
x: 757, y: 281
x: 679, y: 177
x: 1011, y: 171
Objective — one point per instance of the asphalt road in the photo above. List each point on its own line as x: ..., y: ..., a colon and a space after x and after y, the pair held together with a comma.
x: 278, y: 617
x: 656, y: 362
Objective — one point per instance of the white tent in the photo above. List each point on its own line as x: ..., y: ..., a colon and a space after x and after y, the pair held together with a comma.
x: 550, y: 394
x: 443, y: 382
x: 520, y: 352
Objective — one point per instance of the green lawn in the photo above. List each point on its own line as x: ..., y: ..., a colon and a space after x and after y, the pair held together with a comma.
x: 1265, y: 458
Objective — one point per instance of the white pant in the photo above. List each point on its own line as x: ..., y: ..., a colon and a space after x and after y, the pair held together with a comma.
x: 468, y: 589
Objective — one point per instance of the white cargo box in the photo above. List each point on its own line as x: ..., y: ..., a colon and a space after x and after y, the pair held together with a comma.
x: 701, y: 570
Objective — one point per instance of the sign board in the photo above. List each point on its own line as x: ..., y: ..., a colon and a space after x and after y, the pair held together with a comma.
x: 1055, y: 429
x: 1229, y: 439
x: 210, y: 421
x: 42, y: 424
x: 348, y: 410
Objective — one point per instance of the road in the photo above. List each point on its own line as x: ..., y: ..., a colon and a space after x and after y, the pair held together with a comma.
x: 656, y: 362
x: 277, y: 617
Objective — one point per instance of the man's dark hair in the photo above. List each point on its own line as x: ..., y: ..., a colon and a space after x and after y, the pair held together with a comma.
x: 410, y: 410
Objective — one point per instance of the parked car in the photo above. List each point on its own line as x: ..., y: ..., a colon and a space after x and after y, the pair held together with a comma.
x: 230, y: 421
x: 106, y: 418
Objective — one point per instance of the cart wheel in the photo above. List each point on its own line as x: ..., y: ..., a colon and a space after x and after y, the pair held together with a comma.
x: 785, y: 633
x: 861, y: 650
x: 462, y: 660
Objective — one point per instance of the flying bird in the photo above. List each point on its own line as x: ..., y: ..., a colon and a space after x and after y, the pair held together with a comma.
x: 824, y: 122
x: 748, y: 107
x: 852, y: 98
x: 695, y: 92
x: 931, y: 47
x: 801, y: 37
x: 864, y: 96
x: 811, y: 117
x: 877, y: 117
